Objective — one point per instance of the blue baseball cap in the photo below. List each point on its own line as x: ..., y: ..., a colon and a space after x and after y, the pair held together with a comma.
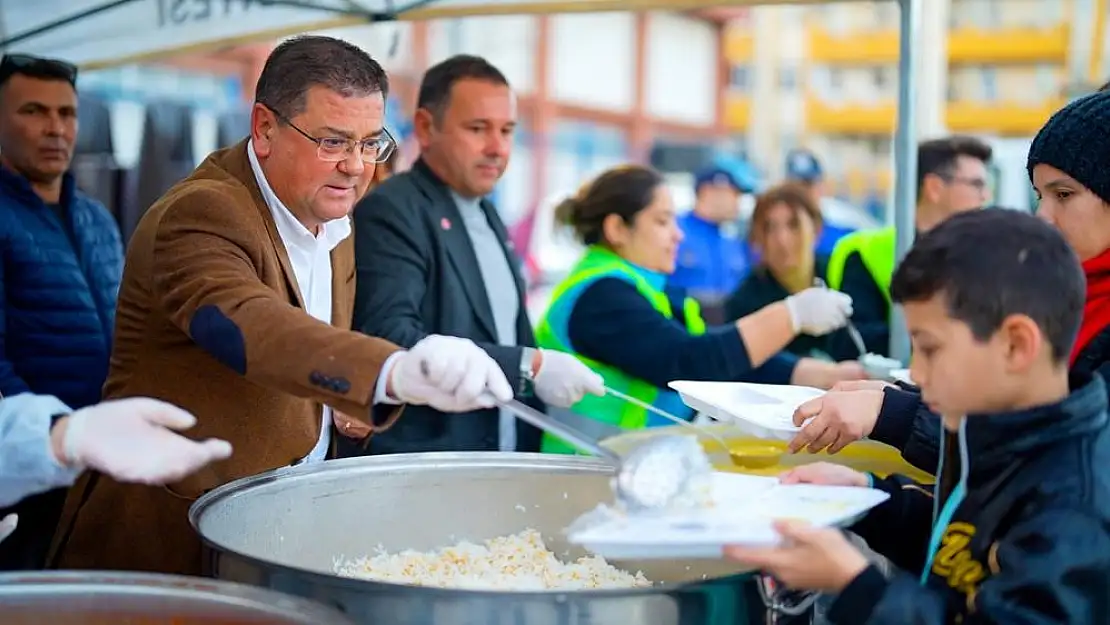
x: 720, y: 174
x: 803, y: 165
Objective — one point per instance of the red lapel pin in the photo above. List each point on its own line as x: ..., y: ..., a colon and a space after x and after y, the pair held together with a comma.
x: 445, y: 223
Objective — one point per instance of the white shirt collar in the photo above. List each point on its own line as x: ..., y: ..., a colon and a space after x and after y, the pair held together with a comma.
x: 291, y: 230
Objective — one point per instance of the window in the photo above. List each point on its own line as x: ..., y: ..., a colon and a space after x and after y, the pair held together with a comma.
x: 739, y: 77
x: 989, y: 79
x: 836, y: 78
x: 886, y: 14
x: 1048, y: 82
x: 788, y: 78
x: 880, y: 78
x: 879, y: 149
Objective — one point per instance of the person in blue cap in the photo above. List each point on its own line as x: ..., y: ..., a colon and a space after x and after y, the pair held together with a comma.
x: 712, y: 260
x: 803, y: 168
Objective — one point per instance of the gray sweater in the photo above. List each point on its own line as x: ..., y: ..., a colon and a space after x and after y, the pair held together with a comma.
x: 27, y: 464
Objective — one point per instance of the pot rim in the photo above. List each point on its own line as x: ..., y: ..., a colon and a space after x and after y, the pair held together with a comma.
x: 201, y: 589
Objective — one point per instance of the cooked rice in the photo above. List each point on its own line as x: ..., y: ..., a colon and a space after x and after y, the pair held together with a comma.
x: 521, y: 562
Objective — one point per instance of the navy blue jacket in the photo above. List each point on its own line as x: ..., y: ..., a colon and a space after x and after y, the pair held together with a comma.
x: 906, y: 423
x: 58, y: 283
x: 612, y: 323
x: 1019, y: 531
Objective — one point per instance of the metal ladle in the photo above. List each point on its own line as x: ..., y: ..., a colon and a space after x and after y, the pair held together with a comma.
x: 653, y: 476
x: 853, y: 331
x: 738, y: 459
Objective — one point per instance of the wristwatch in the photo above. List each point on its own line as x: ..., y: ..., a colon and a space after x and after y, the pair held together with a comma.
x: 530, y: 359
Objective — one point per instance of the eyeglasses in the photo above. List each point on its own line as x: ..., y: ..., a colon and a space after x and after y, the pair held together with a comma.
x: 335, y: 149
x: 975, y: 183
x: 37, y: 66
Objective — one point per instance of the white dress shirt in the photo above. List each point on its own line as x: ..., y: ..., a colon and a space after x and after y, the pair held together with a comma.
x: 310, y: 256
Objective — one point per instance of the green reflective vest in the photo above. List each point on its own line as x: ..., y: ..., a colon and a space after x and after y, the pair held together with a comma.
x: 597, y: 263
x: 877, y: 251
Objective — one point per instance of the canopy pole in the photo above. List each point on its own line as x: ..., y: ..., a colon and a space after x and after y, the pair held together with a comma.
x: 905, y: 159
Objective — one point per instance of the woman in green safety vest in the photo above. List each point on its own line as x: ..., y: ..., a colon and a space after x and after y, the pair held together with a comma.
x: 615, y: 313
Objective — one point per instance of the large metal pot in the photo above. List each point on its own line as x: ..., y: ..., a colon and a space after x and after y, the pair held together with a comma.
x: 285, y: 528
x: 103, y: 598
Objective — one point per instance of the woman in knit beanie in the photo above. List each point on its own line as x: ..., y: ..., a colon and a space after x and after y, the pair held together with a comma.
x: 1069, y: 169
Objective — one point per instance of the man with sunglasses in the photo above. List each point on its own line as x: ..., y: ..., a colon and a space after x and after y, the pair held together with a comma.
x: 236, y: 305
x: 59, y: 273
x: 951, y: 178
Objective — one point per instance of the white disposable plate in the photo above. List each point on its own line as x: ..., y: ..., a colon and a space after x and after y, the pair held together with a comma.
x: 762, y: 410
x: 744, y: 512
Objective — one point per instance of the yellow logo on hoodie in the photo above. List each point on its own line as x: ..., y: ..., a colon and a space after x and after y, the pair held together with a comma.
x: 954, y: 562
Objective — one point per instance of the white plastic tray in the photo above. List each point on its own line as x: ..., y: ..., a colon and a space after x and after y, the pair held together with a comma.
x: 762, y: 410
x: 744, y: 511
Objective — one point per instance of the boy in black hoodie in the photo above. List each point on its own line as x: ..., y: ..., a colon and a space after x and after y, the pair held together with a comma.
x: 1019, y: 529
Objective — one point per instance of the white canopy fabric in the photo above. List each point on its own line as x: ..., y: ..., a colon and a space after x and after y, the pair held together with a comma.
x: 99, y: 33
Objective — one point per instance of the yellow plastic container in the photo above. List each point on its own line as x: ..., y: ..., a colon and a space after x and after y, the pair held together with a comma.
x: 770, y: 458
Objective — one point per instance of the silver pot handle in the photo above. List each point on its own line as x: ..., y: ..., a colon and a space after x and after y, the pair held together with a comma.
x: 774, y: 594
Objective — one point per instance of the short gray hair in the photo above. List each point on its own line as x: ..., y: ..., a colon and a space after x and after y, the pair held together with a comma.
x: 300, y: 63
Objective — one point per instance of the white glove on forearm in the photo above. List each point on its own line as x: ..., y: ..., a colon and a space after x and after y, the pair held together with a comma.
x: 131, y: 440
x: 449, y: 374
x: 818, y: 310
x: 562, y: 380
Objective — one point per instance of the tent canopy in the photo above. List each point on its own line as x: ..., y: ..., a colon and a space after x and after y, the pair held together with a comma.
x: 100, y: 33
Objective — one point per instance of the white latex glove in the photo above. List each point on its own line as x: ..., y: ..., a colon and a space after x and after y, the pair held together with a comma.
x: 449, y: 374
x: 7, y: 526
x: 562, y: 380
x: 818, y: 310
x: 131, y: 440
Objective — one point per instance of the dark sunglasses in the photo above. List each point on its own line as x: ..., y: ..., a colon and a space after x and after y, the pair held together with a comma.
x: 37, y: 67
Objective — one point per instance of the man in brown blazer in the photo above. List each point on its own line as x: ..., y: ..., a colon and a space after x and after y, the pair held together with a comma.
x: 236, y: 301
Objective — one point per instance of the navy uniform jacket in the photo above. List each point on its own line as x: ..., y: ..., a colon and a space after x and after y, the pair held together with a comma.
x: 710, y: 265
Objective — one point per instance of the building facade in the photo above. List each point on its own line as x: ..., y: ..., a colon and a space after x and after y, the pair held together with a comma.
x: 825, y: 76
x: 595, y: 89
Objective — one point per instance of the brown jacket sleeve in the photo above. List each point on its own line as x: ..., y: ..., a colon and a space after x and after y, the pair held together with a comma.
x: 217, y: 275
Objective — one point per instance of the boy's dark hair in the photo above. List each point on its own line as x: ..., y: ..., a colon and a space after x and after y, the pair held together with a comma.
x: 435, y: 87
x: 939, y: 156
x: 993, y: 263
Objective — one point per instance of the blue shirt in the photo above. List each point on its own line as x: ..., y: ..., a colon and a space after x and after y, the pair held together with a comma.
x: 709, y: 265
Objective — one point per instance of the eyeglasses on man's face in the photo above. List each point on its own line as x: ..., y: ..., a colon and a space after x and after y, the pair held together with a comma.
x: 335, y: 149
x: 978, y: 184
